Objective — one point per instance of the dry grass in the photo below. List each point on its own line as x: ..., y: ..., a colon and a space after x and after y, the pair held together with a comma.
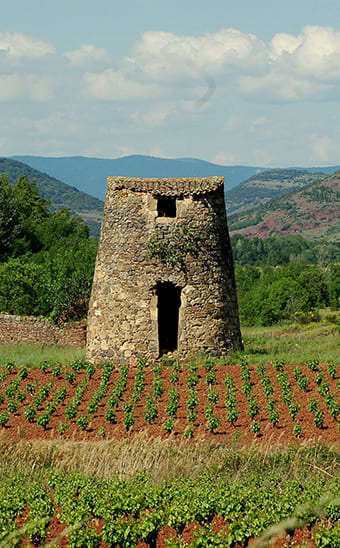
x: 162, y: 460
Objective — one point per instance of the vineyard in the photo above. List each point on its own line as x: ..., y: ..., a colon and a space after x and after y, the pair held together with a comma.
x: 273, y: 402
x: 203, y: 453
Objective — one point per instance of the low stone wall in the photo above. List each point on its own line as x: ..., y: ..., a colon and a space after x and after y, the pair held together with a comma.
x: 29, y: 329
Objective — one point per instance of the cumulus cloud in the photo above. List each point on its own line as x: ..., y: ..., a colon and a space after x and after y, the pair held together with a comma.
x: 323, y: 148
x: 163, y: 55
x: 16, y: 44
x: 289, y: 68
x: 113, y: 86
x: 315, y: 52
x: 86, y: 54
x: 57, y: 123
x: 30, y: 87
x: 281, y: 87
x: 154, y: 117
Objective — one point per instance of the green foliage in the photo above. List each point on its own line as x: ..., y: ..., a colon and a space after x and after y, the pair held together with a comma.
x: 46, y: 259
x: 173, y: 250
x: 83, y: 422
x: 59, y: 194
x: 4, y: 418
x: 173, y: 399
x: 150, y: 409
x: 272, y: 295
x: 282, y: 250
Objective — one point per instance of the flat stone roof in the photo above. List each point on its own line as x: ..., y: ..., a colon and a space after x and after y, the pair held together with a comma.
x: 188, y: 186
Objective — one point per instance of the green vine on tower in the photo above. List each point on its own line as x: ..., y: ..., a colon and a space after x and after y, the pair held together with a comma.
x: 171, y: 250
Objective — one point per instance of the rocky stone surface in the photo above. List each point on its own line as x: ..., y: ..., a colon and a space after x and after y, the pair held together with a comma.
x: 29, y: 329
x: 143, y: 252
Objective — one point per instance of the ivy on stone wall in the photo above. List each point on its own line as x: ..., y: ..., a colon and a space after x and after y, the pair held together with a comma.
x: 172, y: 249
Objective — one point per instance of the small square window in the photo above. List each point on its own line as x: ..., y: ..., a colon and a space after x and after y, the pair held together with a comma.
x: 166, y: 207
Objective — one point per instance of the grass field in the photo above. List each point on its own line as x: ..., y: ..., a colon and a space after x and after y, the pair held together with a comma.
x: 293, y: 343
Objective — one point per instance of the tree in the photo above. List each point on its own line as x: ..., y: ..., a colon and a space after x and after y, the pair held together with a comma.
x: 10, y: 228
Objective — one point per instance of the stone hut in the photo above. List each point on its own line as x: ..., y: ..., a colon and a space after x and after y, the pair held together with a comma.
x: 164, y: 278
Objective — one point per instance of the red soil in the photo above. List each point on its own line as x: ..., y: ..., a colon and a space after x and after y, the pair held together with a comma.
x: 18, y: 426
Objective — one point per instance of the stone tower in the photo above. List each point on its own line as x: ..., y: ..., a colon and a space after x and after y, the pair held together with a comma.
x: 164, y: 278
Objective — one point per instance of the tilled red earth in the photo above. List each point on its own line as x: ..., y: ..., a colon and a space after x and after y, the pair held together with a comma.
x: 18, y: 427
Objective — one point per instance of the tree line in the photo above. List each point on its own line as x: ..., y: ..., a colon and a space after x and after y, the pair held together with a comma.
x: 46, y: 258
x: 47, y: 263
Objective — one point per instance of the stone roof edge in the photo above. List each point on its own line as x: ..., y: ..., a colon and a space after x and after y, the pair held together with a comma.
x: 167, y: 187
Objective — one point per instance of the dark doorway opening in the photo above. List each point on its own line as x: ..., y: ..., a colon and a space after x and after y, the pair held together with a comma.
x: 169, y: 301
x: 166, y: 207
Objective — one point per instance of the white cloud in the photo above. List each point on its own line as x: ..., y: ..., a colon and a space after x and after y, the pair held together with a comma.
x: 281, y: 87
x: 163, y: 55
x: 113, y: 86
x: 233, y: 122
x: 86, y: 54
x: 17, y: 44
x: 224, y: 158
x: 324, y: 149
x: 319, y: 53
x: 261, y: 127
x: 154, y: 117
x: 283, y: 44
x: 289, y: 68
x: 58, y: 123
x: 30, y: 87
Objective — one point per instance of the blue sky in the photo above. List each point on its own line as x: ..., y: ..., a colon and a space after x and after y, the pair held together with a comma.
x: 233, y: 82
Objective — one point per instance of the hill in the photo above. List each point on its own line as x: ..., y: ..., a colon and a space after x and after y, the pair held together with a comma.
x: 90, y: 174
x: 313, y: 211
x: 60, y: 194
x: 264, y: 186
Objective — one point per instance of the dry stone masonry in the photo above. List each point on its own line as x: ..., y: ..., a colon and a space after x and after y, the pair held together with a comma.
x: 29, y: 329
x: 164, y: 278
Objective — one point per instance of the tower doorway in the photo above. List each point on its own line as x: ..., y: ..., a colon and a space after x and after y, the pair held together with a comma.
x: 168, y: 304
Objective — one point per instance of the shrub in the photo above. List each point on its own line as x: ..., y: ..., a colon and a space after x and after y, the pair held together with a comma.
x: 255, y: 427
x: 30, y: 413
x: 189, y: 432
x: 57, y: 370
x: 332, y: 370
x: 213, y: 422
x: 43, y: 420
x: 274, y: 417
x: 168, y: 425
x: 129, y: 419
x: 90, y: 369
x: 212, y: 396
x: 83, y: 422
x: 303, y: 382
x: 71, y: 410
x: 313, y: 364
x: 12, y: 406
x: 297, y: 429
x: 4, y: 418
x: 110, y: 416
x: 63, y: 427
x: 232, y: 416
x: 23, y: 372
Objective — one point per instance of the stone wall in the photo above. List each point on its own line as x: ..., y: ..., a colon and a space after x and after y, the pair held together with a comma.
x: 29, y: 329
x: 123, y: 313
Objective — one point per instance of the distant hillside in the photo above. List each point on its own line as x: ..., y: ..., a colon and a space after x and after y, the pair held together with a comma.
x: 60, y: 194
x: 313, y: 211
x: 264, y: 186
x: 90, y: 174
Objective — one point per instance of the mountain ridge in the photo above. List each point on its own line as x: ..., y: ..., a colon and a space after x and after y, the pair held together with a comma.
x: 60, y: 194
x: 312, y: 211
